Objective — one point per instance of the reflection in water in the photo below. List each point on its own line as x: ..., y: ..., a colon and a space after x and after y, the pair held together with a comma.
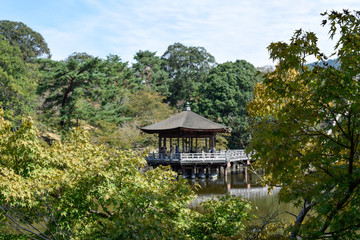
x: 246, y: 185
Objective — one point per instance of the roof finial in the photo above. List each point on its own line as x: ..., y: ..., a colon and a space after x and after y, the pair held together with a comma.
x: 187, y: 107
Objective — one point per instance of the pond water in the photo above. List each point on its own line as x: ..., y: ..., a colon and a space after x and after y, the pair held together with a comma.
x: 246, y: 185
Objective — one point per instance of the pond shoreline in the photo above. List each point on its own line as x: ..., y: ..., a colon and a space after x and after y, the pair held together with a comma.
x: 246, y: 185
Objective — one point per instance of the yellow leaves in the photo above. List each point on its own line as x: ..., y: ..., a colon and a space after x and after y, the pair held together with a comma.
x: 77, y: 176
x: 15, y: 188
x: 280, y: 91
x: 106, y: 197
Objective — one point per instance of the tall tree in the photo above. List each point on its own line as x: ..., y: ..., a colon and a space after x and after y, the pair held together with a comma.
x: 30, y: 43
x: 224, y: 95
x: 188, y: 68
x: 83, y: 87
x: 18, y: 82
x: 148, y: 71
x: 307, y: 130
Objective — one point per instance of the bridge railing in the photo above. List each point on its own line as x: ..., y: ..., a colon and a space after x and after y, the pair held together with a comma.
x: 164, y: 157
x: 227, y: 155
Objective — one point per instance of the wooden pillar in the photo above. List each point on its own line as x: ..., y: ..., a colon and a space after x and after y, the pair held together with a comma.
x: 188, y: 144
x: 183, y: 150
x: 196, y: 146
x: 164, y: 144
x: 245, y: 174
x: 193, y: 172
x: 201, y: 174
x: 159, y: 143
x: 225, y: 173
x: 213, y: 173
x: 206, y: 146
x: 192, y: 144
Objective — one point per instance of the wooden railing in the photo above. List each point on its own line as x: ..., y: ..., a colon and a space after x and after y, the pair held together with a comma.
x: 203, y: 157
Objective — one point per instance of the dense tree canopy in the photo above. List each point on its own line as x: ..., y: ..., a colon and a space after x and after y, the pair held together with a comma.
x: 149, y: 71
x: 84, y: 88
x: 79, y: 190
x: 188, y: 68
x: 141, y: 108
x: 18, y: 82
x: 307, y: 130
x: 30, y: 43
x: 224, y: 95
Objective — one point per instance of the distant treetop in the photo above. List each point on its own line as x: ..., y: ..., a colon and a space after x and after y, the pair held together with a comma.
x: 31, y: 43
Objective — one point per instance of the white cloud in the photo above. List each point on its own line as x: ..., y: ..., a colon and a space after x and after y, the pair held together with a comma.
x: 228, y: 29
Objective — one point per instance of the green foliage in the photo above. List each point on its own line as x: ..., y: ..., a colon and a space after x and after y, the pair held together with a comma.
x: 83, y: 88
x: 30, y: 43
x: 149, y: 72
x: 222, y: 218
x: 18, y: 82
x: 9, y: 236
x: 141, y: 108
x: 79, y: 190
x: 307, y: 130
x: 224, y: 95
x: 86, y: 189
x: 146, y: 107
x: 188, y: 67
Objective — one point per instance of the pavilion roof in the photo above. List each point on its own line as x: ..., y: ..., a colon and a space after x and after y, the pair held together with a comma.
x: 186, y: 120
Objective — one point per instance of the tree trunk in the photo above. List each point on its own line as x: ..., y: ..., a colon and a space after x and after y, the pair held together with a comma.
x: 300, y: 218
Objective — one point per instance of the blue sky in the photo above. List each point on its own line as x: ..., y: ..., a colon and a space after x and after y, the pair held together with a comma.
x: 227, y: 29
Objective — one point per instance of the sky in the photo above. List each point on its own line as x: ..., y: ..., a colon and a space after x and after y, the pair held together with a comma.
x: 227, y: 29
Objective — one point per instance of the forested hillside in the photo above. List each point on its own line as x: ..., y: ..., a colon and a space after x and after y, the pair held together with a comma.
x: 112, y: 98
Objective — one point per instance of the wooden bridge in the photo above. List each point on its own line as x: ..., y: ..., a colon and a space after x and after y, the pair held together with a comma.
x: 200, y: 164
x: 216, y: 158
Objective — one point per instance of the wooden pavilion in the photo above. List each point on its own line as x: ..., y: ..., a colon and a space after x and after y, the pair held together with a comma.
x: 185, y: 130
x: 187, y: 141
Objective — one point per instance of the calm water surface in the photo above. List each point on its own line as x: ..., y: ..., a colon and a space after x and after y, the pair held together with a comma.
x: 247, y: 186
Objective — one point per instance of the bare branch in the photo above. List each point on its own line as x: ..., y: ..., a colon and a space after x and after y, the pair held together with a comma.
x: 291, y: 214
x: 20, y: 228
